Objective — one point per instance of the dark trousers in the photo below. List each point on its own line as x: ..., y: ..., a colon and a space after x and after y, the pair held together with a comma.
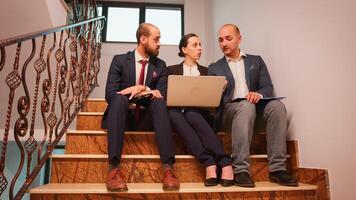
x: 198, y: 136
x: 156, y: 115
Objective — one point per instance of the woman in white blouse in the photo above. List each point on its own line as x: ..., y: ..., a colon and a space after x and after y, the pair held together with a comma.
x: 191, y: 124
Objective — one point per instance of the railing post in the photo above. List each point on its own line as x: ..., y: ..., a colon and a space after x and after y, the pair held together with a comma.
x: 88, y: 63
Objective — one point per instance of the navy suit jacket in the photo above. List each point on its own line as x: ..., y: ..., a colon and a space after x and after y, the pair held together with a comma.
x: 122, y: 74
x: 257, y: 80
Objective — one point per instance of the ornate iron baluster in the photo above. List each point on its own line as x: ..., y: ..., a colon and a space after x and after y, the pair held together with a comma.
x: 82, y: 61
x: 69, y: 82
x: 98, y: 50
x: 52, y: 118
x: 21, y: 125
x: 87, y: 66
x: 85, y: 9
x: 95, y: 56
x: 62, y: 85
x: 74, y: 66
x: 3, y: 55
x: 31, y: 143
x: 75, y: 10
x: 13, y: 80
x: 45, y: 103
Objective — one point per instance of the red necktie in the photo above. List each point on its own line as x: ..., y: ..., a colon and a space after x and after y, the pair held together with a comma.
x: 142, y: 73
x: 140, y: 82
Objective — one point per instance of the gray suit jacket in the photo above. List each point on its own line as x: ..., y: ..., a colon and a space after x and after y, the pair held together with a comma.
x: 257, y: 80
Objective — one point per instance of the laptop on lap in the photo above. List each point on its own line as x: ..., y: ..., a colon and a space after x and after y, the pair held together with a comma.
x: 194, y: 91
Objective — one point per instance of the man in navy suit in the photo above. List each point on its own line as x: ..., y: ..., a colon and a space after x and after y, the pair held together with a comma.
x: 247, y: 77
x: 138, y: 72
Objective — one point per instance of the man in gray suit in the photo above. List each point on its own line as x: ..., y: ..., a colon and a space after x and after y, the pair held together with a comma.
x: 247, y: 77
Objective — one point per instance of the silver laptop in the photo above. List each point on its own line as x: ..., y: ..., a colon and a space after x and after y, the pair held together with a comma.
x: 194, y: 91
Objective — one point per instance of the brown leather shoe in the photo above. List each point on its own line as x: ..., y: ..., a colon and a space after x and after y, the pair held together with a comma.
x: 170, y: 181
x: 114, y: 181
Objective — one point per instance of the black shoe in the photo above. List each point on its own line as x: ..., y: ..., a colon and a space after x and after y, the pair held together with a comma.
x: 227, y: 182
x: 243, y: 179
x: 211, y: 182
x: 282, y: 178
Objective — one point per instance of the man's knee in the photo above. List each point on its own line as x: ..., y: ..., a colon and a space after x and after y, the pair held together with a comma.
x: 276, y: 107
x: 245, y: 109
x: 119, y: 100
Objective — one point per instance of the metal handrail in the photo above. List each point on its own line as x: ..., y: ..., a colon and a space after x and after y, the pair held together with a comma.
x: 36, y: 34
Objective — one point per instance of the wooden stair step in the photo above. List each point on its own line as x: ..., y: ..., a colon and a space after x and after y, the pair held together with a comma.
x: 263, y: 190
x: 95, y: 142
x: 100, y: 188
x: 89, y: 168
x: 139, y: 156
x: 89, y: 120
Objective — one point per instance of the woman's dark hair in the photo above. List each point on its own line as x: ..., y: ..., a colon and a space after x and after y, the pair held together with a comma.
x: 184, y: 42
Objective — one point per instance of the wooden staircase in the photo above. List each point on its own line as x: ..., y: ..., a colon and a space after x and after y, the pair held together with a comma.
x: 81, y: 172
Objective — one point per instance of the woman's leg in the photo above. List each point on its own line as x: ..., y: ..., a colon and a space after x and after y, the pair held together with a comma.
x: 210, y: 141
x: 190, y: 138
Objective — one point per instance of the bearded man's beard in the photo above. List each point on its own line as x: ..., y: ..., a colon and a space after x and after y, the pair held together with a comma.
x: 151, y: 52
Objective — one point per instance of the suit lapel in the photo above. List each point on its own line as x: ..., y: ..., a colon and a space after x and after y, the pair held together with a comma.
x: 247, y: 71
x: 200, y: 70
x: 131, y: 64
x: 180, y: 69
x: 227, y: 70
x: 229, y: 77
x: 149, y: 73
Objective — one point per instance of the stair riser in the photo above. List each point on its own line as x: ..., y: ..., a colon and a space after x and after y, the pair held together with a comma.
x: 85, y: 170
x: 145, y: 144
x: 135, y: 144
x: 317, y: 177
x: 280, y: 195
x: 95, y: 106
x: 89, y: 122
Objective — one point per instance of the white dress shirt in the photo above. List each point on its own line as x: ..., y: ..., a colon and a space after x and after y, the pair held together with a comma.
x: 190, y: 70
x: 237, y: 67
x: 138, y: 60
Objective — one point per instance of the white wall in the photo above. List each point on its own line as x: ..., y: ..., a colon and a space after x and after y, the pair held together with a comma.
x: 57, y: 10
x: 309, y: 47
x: 19, y: 17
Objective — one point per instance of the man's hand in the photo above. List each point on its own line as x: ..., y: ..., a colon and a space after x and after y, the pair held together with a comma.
x: 132, y: 90
x: 225, y: 85
x: 253, y: 97
x: 156, y: 94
